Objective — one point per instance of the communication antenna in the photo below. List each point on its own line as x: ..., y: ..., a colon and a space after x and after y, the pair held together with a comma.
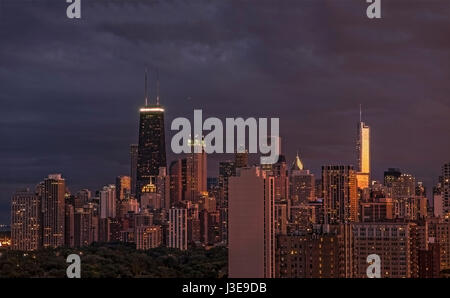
x: 360, y: 113
x: 146, y: 87
x: 157, y: 87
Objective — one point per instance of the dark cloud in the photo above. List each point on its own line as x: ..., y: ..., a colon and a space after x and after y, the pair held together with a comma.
x: 70, y: 89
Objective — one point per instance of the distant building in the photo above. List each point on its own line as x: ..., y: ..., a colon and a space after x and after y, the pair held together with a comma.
x: 123, y: 187
x: 393, y: 242
x: 133, y: 168
x: 148, y: 237
x: 251, y: 249
x: 363, y: 149
x: 379, y: 210
x: 227, y: 169
x: 429, y: 261
x: 69, y: 225
x: 152, y: 145
x: 178, y: 237
x: 108, y: 201
x: 441, y: 232
x: 196, y: 174
x: 445, y: 192
x: 340, y: 194
x: 177, y: 171
x: 438, y: 205
x: 25, y: 221
x: 301, y: 183
x: 53, y: 211
x: 399, y: 185
x: 241, y: 159
x: 83, y: 226
x: 84, y: 196
x: 314, y: 255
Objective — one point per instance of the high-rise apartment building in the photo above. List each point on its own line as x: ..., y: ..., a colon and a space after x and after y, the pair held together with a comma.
x: 196, y: 174
x: 226, y: 170
x: 445, y: 190
x: 83, y: 226
x: 251, y: 243
x: 178, y: 232
x: 108, y: 201
x: 25, y: 221
x: 177, y: 172
x: 148, y: 237
x: 324, y: 254
x: 340, y: 194
x: 53, y: 210
x: 395, y: 243
x: 398, y: 184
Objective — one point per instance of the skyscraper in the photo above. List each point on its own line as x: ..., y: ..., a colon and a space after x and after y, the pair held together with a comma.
x: 340, y: 194
x: 226, y: 170
x: 363, y: 149
x: 251, y: 252
x: 398, y: 184
x: 53, y: 211
x: 301, y: 183
x: 177, y: 185
x: 83, y: 226
x: 133, y: 167
x: 152, y: 143
x: 108, y: 202
x: 178, y: 237
x: 25, y: 223
x: 241, y: 159
x: 445, y: 192
x: 196, y: 176
x: 123, y: 187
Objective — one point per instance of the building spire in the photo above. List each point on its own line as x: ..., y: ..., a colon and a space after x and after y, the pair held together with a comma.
x: 157, y: 87
x: 360, y: 113
x: 146, y: 87
x: 297, y: 164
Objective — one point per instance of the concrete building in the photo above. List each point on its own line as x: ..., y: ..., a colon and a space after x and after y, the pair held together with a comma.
x: 251, y: 250
x: 25, y: 221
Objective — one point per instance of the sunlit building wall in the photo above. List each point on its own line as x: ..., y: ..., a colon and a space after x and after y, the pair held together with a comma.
x: 363, y: 149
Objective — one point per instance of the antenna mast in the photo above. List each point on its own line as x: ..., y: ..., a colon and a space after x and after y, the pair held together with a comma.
x: 146, y: 91
x: 157, y: 87
x: 360, y: 113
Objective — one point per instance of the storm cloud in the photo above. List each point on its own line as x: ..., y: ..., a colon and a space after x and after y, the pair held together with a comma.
x: 70, y: 89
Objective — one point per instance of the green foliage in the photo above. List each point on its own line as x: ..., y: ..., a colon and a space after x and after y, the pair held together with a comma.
x: 114, y: 260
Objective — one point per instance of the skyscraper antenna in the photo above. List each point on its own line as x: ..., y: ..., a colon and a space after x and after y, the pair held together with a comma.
x: 360, y: 113
x: 146, y: 91
x: 157, y: 87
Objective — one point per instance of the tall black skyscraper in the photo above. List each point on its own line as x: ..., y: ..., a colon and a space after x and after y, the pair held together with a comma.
x: 152, y: 142
x: 133, y: 168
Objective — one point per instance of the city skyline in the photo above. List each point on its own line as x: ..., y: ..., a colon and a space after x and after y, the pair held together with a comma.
x: 86, y: 122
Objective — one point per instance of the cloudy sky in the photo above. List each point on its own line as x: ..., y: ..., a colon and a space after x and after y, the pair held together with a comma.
x: 70, y: 89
